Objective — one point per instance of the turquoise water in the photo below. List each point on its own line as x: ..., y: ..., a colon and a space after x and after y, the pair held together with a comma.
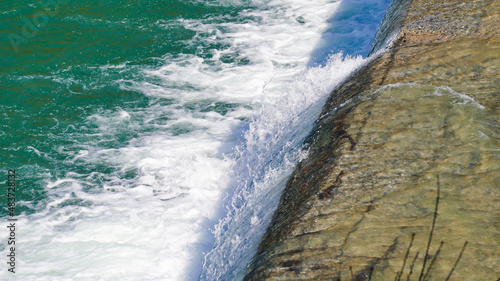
x: 152, y: 138
x: 71, y: 69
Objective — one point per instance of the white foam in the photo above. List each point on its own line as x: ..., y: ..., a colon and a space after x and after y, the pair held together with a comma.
x: 272, y: 148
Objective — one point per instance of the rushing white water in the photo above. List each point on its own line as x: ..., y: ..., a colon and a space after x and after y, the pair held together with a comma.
x: 222, y: 139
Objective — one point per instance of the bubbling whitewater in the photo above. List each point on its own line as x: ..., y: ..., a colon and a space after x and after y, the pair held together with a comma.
x: 193, y: 190
x: 272, y: 148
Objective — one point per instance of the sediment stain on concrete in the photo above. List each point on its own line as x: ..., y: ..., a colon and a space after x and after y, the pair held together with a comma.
x: 428, y: 107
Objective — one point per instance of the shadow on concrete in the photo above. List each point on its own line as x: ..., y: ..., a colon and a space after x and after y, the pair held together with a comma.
x: 350, y: 30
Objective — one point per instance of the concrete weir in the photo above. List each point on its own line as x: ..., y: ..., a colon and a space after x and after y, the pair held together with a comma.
x: 402, y: 180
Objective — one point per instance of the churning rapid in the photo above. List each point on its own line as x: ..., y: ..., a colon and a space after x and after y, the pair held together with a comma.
x: 153, y: 139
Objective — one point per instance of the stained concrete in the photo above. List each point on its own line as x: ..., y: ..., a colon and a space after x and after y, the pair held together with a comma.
x: 409, y: 141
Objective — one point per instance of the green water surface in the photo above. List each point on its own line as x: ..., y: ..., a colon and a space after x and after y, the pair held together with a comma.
x: 63, y: 61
